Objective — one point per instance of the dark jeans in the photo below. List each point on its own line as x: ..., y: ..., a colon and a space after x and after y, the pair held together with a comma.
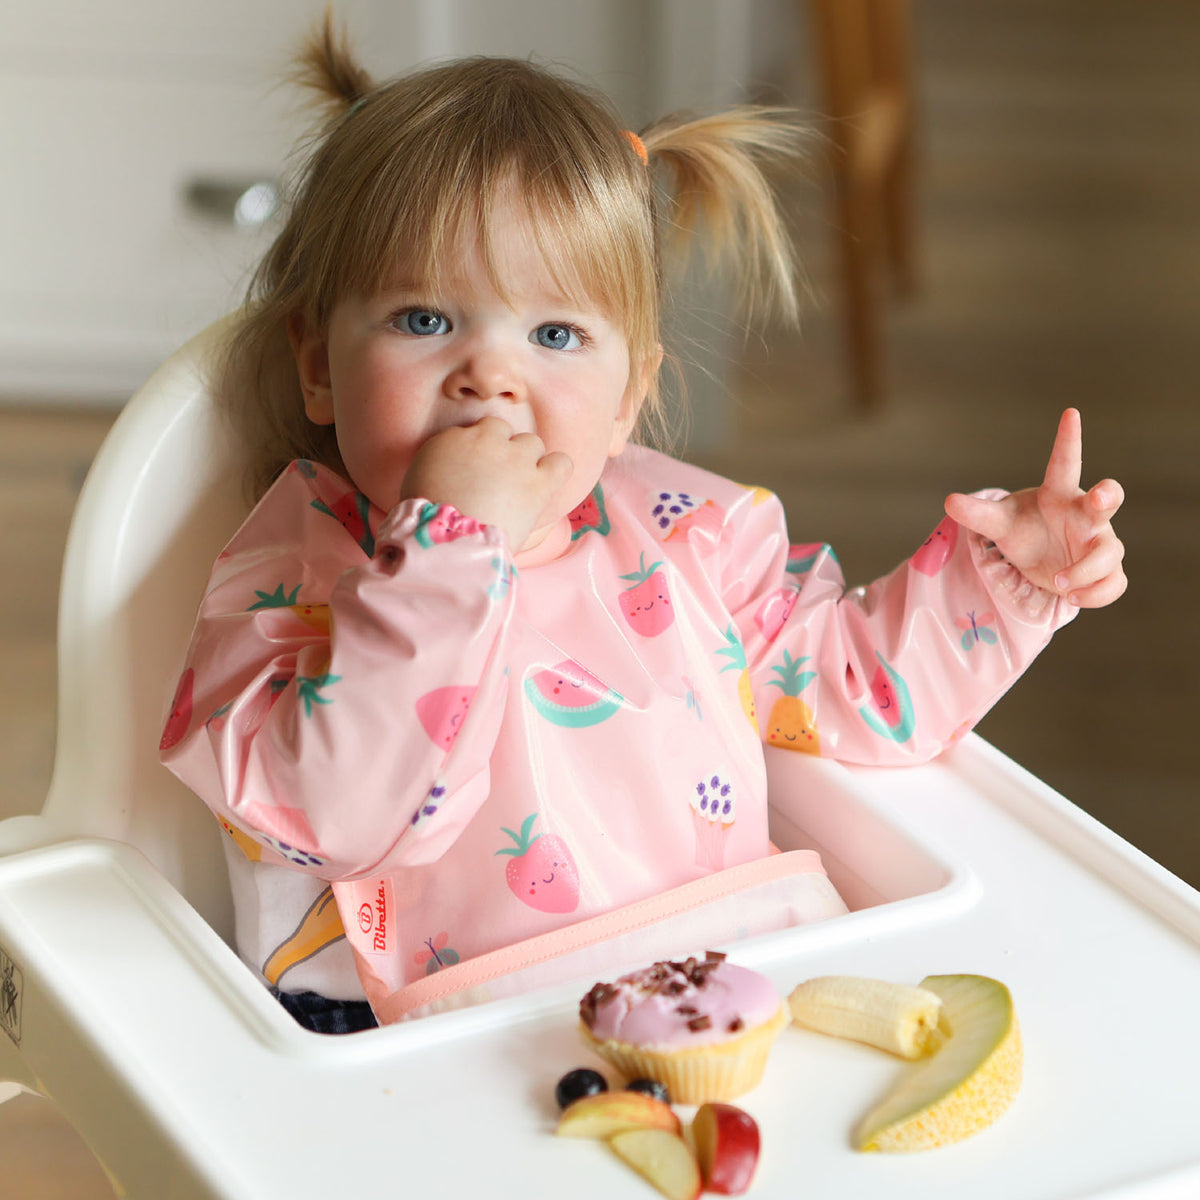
x: 322, y: 1015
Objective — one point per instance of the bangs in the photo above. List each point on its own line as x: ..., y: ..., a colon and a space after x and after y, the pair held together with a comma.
x: 422, y: 186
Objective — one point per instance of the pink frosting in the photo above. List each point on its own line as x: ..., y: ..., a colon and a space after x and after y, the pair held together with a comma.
x: 675, y: 1005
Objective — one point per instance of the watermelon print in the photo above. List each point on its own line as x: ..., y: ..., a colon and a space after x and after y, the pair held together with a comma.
x: 570, y: 696
x: 440, y: 523
x: 353, y: 511
x: 589, y: 515
x: 802, y: 556
x: 890, y: 713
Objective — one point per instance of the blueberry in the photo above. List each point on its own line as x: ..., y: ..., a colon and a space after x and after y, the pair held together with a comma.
x: 651, y: 1087
x: 576, y: 1084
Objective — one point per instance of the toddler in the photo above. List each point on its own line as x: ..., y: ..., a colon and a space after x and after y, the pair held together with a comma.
x: 481, y: 684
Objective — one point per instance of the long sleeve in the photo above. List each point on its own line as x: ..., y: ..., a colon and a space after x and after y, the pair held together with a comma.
x: 334, y: 644
x: 887, y: 674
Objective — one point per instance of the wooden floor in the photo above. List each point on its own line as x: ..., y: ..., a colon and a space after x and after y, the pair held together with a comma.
x: 1059, y: 264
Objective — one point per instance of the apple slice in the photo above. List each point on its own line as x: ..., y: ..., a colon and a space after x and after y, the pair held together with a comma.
x: 966, y: 1085
x: 727, y: 1146
x: 662, y: 1159
x: 608, y: 1113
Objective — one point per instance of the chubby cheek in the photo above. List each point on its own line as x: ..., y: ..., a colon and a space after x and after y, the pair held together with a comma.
x: 377, y: 445
x: 588, y: 451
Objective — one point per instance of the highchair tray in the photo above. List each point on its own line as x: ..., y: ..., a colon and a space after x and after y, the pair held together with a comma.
x: 967, y: 865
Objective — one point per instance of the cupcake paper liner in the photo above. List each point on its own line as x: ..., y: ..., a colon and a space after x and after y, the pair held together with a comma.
x: 716, y: 1071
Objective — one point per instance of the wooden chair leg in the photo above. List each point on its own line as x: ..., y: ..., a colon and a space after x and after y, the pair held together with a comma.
x: 897, y: 196
x: 861, y: 321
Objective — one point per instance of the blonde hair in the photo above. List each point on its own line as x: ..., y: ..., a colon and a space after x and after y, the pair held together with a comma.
x: 399, y: 169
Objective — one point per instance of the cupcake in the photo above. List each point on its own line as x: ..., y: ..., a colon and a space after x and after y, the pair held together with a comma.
x: 702, y: 1028
x: 679, y: 514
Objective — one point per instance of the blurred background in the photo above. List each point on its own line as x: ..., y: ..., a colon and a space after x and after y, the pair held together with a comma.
x: 1054, y: 259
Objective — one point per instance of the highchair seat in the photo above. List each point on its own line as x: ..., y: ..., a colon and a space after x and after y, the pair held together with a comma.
x: 122, y: 1001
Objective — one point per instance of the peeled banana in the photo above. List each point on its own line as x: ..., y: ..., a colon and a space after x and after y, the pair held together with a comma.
x: 893, y: 1016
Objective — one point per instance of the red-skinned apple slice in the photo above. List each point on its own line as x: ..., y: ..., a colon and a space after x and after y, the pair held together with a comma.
x: 663, y: 1159
x: 609, y: 1113
x: 727, y: 1145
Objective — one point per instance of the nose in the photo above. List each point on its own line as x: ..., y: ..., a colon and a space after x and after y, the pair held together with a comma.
x: 484, y: 372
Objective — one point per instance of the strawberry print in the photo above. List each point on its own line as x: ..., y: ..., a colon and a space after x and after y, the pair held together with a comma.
x: 589, y: 516
x: 646, y: 603
x: 541, y: 871
x: 937, y: 548
x: 353, y: 510
x: 439, y: 523
x: 181, y: 712
x: 774, y: 611
x: 442, y: 712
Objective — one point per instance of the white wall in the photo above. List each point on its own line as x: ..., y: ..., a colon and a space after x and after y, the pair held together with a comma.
x: 110, y: 110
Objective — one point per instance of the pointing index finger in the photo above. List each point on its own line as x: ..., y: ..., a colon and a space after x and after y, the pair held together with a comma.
x: 1065, y: 467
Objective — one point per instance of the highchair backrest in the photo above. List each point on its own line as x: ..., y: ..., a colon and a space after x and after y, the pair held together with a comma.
x: 163, y: 496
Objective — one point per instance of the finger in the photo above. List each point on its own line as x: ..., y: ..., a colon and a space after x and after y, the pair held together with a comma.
x: 495, y: 426
x: 1102, y: 560
x: 555, y: 468
x: 1066, y: 456
x: 529, y: 442
x: 1103, y: 592
x: 988, y: 518
x: 1105, y: 497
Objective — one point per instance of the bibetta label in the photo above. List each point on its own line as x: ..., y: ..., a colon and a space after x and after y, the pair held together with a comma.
x: 374, y: 929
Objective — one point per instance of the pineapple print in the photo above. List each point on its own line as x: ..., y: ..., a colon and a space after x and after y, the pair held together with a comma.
x: 790, y: 724
x: 736, y: 653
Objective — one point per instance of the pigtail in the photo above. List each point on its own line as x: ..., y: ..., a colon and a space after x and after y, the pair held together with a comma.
x: 326, y: 66
x: 718, y: 186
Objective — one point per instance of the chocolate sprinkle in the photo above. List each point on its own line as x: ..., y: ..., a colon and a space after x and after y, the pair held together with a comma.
x: 671, y: 978
x: 600, y: 994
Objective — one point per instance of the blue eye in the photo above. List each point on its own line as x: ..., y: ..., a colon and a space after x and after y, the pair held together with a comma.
x: 556, y: 337
x: 423, y: 322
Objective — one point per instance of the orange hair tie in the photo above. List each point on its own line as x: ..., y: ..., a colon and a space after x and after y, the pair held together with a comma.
x: 639, y: 147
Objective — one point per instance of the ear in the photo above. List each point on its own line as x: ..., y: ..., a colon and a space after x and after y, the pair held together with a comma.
x: 632, y: 401
x: 311, y: 352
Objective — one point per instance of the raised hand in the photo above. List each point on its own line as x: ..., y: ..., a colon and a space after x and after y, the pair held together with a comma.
x: 1058, y: 536
x: 489, y: 473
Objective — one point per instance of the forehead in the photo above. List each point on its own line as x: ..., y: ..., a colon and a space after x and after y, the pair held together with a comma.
x: 510, y: 243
